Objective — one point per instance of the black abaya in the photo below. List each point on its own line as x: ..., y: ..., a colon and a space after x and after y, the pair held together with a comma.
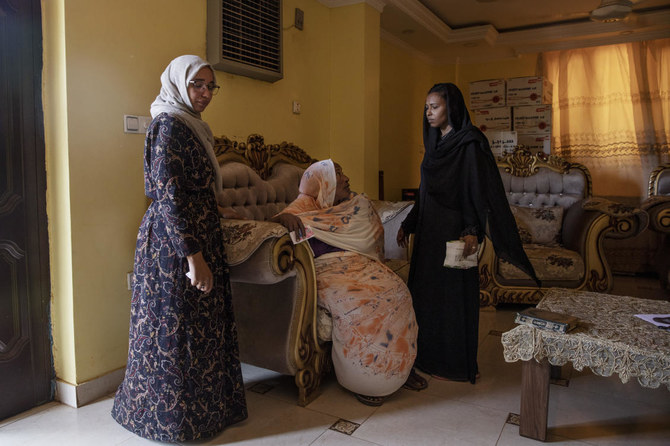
x: 461, y: 193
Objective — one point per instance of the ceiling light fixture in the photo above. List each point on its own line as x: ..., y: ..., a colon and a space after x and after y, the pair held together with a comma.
x: 612, y: 10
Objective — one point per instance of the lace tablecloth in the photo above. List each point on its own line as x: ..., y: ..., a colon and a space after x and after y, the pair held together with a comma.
x: 609, y: 338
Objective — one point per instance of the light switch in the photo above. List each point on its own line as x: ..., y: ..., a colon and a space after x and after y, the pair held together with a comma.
x: 132, y: 124
x: 136, y: 124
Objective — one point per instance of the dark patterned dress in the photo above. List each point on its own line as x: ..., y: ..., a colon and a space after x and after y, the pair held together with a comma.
x: 183, y: 379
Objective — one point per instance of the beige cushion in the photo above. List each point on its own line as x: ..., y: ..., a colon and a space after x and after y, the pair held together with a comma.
x: 539, y: 225
x: 550, y: 263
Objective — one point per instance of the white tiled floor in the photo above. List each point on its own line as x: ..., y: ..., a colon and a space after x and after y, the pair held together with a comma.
x: 590, y: 410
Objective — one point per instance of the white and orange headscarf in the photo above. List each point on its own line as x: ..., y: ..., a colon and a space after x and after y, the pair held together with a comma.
x: 352, y: 225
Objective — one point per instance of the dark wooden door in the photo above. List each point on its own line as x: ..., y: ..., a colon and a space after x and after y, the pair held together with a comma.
x: 25, y: 354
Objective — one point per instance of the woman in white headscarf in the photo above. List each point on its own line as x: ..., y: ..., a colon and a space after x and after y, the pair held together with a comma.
x: 183, y: 378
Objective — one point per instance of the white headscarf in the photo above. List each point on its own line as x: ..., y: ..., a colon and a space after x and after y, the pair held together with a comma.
x: 174, y: 100
x: 352, y: 225
x: 320, y: 182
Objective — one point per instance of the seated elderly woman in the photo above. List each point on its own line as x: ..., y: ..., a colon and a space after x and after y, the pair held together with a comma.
x: 374, y: 328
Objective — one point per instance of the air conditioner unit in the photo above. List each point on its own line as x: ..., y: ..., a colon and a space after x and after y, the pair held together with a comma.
x: 245, y: 38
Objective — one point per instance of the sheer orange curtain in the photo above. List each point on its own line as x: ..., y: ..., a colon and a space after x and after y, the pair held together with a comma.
x: 611, y: 109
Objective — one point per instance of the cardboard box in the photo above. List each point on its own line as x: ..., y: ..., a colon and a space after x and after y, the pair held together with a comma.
x: 532, y: 119
x: 501, y: 142
x: 530, y: 90
x: 487, y: 93
x: 535, y: 142
x: 494, y: 118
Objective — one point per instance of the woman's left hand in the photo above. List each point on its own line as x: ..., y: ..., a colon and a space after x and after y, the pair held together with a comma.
x: 200, y: 274
x: 470, y: 245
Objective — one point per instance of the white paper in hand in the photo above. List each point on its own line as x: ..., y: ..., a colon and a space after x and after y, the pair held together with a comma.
x: 307, y: 235
x: 454, y: 256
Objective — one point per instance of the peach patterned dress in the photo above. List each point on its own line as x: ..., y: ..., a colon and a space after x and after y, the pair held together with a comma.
x: 374, y: 328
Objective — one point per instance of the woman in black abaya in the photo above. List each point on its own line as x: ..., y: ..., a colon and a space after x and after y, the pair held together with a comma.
x: 461, y: 197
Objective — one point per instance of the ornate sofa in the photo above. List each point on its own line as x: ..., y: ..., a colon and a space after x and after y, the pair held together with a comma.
x: 273, y: 281
x: 561, y: 225
x: 657, y: 205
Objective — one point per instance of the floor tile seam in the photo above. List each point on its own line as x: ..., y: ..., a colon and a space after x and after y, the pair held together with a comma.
x: 438, y: 428
x: 321, y: 412
x: 622, y: 399
x: 340, y: 418
x: 483, y: 406
x: 612, y: 395
x: 502, y: 430
x: 371, y: 443
x: 279, y: 398
x: 295, y: 404
x: 460, y: 400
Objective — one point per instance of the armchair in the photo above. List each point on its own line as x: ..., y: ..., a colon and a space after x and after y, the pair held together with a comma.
x: 657, y: 205
x: 273, y: 281
x: 561, y: 225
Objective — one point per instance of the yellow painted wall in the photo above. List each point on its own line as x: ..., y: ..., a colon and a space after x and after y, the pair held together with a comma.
x: 58, y: 186
x: 247, y: 106
x: 405, y: 79
x: 354, y: 133
x: 104, y: 60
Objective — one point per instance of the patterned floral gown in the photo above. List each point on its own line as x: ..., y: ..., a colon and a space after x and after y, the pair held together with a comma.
x: 183, y: 378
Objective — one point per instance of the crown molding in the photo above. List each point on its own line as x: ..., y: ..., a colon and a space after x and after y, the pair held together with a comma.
x: 643, y: 26
x: 376, y: 4
x: 424, y: 17
x: 486, y: 33
x: 484, y: 43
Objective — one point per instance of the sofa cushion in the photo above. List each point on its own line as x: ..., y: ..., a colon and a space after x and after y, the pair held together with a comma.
x: 539, y: 225
x: 550, y: 263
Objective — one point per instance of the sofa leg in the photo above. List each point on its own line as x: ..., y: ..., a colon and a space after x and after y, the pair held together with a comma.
x: 308, y: 379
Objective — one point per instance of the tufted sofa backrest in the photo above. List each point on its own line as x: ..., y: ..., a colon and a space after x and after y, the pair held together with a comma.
x: 545, y: 188
x: 540, y: 180
x: 659, y: 180
x: 251, y: 196
x: 259, y: 179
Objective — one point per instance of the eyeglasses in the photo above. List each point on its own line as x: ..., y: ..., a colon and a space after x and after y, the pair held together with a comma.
x: 200, y: 85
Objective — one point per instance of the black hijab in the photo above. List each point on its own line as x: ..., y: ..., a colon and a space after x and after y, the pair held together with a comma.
x: 462, y: 163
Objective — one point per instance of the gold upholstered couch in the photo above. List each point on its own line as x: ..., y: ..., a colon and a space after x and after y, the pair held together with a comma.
x: 273, y: 281
x: 561, y: 225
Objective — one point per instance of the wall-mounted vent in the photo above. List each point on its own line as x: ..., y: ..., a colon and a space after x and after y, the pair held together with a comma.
x: 244, y: 37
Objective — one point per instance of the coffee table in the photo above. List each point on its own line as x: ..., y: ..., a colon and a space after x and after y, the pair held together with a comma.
x: 609, y: 340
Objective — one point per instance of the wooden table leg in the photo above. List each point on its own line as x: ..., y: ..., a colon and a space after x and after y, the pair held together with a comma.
x: 534, y: 399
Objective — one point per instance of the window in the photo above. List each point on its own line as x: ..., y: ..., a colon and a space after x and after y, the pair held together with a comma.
x: 244, y: 37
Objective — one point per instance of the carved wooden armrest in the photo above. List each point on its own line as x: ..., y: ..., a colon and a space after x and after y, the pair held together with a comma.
x: 258, y: 252
x: 658, y: 208
x: 625, y: 221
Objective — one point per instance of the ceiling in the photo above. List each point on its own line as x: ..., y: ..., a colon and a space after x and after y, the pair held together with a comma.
x: 472, y: 31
